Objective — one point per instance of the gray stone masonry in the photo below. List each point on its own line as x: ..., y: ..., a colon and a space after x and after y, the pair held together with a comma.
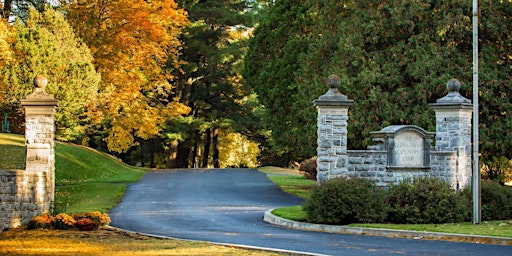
x: 30, y: 192
x: 332, y: 131
x: 453, y: 131
x: 400, y: 152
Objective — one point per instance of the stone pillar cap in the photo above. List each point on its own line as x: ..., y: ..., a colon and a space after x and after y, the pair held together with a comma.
x: 333, y: 97
x: 453, y: 96
x: 40, y: 97
x: 453, y: 100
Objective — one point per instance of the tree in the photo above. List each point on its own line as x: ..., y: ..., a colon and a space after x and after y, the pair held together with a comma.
x: 6, y: 39
x: 271, y: 66
x: 392, y: 55
x: 132, y: 42
x: 210, y: 85
x: 46, y: 45
x: 6, y: 53
x: 20, y: 8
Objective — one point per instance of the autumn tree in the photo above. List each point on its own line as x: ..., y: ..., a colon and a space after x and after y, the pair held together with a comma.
x: 132, y: 42
x: 45, y: 44
x: 6, y: 53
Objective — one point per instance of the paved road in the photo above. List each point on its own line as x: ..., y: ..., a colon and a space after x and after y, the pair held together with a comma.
x: 227, y: 206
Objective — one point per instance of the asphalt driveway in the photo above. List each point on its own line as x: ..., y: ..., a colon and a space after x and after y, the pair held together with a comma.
x: 227, y: 206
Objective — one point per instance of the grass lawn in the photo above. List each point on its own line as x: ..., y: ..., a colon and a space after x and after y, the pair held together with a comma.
x: 13, y: 151
x: 88, y: 180
x: 296, y: 185
x: 85, y: 179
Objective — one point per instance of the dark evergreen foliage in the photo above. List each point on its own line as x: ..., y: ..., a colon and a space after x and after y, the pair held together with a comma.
x: 391, y: 55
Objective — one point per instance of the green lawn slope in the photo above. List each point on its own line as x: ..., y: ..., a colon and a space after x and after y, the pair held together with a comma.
x: 86, y: 179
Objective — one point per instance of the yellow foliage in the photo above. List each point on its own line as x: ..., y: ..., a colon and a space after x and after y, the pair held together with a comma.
x: 6, y: 38
x: 238, y: 151
x: 132, y: 41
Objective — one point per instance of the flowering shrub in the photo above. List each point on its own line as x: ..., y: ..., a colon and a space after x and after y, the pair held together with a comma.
x: 63, y: 221
x: 101, y: 218
x: 87, y: 221
x: 85, y: 224
x: 41, y: 221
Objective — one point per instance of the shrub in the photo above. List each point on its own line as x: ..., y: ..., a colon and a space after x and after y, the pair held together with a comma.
x: 308, y: 167
x: 87, y: 221
x: 426, y: 200
x: 101, y: 218
x: 42, y: 221
x: 496, y: 201
x: 63, y: 221
x: 92, y: 220
x: 86, y: 224
x: 344, y: 201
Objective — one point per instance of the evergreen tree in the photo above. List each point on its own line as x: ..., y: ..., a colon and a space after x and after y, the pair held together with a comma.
x: 45, y: 44
x: 391, y: 55
x: 271, y: 68
x: 210, y: 83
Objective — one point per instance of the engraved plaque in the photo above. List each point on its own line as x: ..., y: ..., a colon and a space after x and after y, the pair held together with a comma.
x: 409, y: 150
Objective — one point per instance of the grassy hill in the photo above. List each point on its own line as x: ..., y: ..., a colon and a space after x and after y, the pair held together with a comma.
x: 86, y: 179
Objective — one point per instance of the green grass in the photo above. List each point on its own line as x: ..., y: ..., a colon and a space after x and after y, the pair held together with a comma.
x: 291, y: 213
x: 295, y: 185
x: 300, y: 186
x: 86, y: 179
x: 78, y: 164
x: 12, y: 148
x: 88, y: 197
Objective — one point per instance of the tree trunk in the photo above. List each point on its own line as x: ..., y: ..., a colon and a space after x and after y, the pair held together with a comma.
x: 207, y: 143
x: 173, y: 155
x: 195, y: 151
x: 183, y: 155
x: 6, y: 11
x: 215, y: 142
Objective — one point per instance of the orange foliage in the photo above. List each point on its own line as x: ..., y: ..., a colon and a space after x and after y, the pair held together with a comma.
x: 132, y: 41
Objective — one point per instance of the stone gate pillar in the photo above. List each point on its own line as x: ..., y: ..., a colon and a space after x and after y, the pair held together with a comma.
x: 453, y: 131
x: 40, y: 134
x: 332, y: 109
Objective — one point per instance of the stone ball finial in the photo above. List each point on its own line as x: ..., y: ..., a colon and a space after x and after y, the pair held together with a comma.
x: 333, y: 81
x: 40, y: 82
x: 453, y: 85
x: 453, y: 96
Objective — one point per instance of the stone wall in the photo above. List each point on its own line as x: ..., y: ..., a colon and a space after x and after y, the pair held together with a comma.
x: 30, y: 192
x: 373, y: 165
x: 23, y: 194
x: 401, y: 152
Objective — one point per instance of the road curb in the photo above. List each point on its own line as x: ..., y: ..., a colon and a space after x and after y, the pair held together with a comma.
x: 278, y: 221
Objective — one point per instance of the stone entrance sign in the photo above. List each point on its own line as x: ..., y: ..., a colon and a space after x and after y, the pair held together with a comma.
x: 407, y: 146
x: 399, y: 152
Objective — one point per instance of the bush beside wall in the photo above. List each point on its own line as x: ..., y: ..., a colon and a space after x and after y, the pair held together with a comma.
x: 425, y: 200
